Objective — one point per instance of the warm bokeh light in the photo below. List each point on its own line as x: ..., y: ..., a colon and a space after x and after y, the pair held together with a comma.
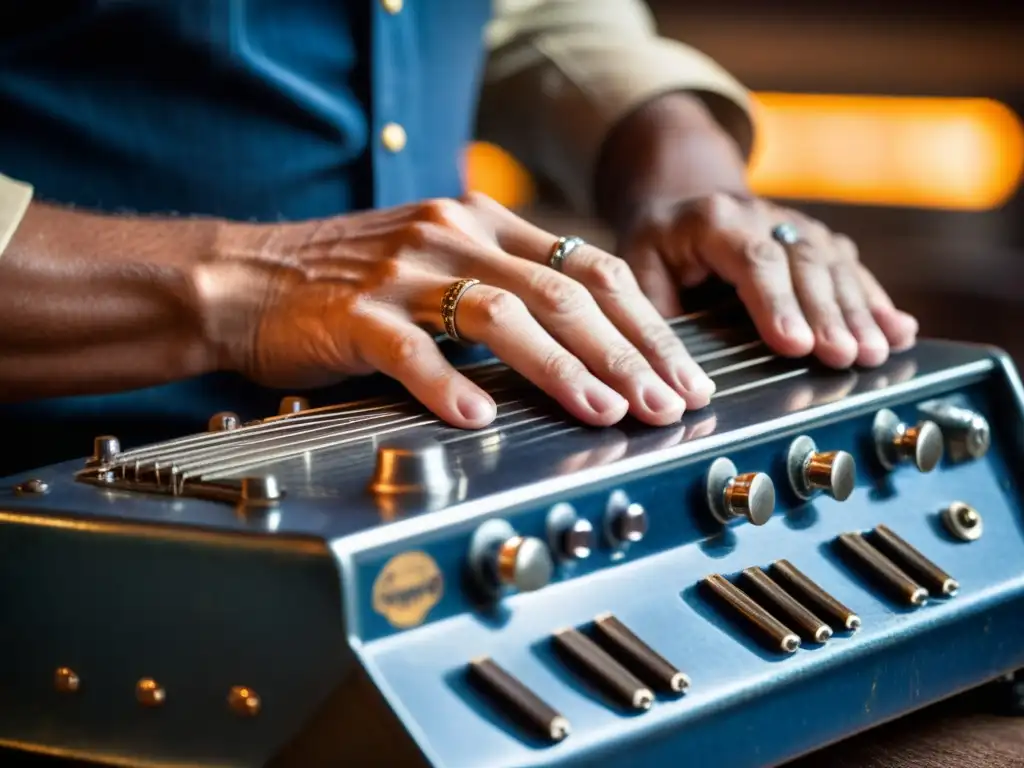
x: 960, y: 154
x: 956, y: 154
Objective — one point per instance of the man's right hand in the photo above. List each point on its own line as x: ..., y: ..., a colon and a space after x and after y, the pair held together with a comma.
x: 302, y: 305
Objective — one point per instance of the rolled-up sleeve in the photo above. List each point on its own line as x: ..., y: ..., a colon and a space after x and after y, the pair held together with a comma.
x: 562, y: 73
x: 14, y: 199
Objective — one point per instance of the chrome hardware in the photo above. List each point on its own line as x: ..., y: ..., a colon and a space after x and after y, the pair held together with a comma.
x: 570, y: 536
x: 809, y: 471
x: 500, y: 558
x: 33, y: 487
x: 262, y: 489
x: 967, y: 433
x: 731, y: 495
x: 963, y: 521
x: 412, y: 465
x: 224, y: 421
x: 625, y: 522
x: 292, y: 404
x: 105, y: 449
x: 896, y: 442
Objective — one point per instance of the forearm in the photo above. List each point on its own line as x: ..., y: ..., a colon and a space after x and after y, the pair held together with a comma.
x: 92, y: 304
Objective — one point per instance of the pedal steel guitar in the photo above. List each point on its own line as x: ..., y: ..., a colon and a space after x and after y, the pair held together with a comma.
x: 815, y: 553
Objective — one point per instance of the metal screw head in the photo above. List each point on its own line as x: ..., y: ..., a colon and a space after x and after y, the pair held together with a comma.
x: 292, y: 404
x: 34, y: 486
x: 963, y: 521
x: 244, y: 701
x: 224, y: 421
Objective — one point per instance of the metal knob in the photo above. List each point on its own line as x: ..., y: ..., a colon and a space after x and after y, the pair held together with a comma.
x: 570, y: 536
x: 523, y: 563
x: 731, y: 495
x: 625, y: 521
x: 224, y: 421
x: 834, y: 472
x: 105, y: 449
x: 500, y: 559
x: 412, y: 464
x: 292, y: 404
x: 896, y: 442
x: 967, y: 433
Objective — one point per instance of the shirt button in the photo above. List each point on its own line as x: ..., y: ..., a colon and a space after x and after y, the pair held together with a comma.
x: 392, y: 6
x: 394, y: 138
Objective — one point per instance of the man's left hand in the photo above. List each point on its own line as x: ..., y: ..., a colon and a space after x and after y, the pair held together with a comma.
x: 676, y: 191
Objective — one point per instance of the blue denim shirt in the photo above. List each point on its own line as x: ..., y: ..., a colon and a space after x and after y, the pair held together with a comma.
x: 246, y: 109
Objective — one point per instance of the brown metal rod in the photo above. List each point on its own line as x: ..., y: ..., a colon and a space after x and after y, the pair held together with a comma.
x: 778, y: 636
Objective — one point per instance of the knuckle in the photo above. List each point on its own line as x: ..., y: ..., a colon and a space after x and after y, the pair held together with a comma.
x: 402, y: 350
x: 847, y: 248
x: 560, y: 295
x: 421, y: 234
x: 624, y: 362
x: 659, y: 341
x: 717, y: 207
x: 561, y: 367
x: 392, y: 271
x: 476, y: 199
x: 609, y: 274
x: 760, y: 253
x: 497, y: 307
x: 441, y: 210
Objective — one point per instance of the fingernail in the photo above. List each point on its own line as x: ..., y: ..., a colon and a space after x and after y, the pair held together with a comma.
x: 659, y: 398
x: 796, y: 328
x: 476, y: 409
x: 692, y: 379
x: 840, y: 337
x: 603, y: 400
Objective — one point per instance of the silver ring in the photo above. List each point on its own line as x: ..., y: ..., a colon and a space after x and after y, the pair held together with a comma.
x: 786, y: 234
x: 563, y: 248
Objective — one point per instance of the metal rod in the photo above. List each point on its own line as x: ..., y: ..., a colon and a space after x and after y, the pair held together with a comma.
x: 810, y: 594
x: 883, y: 571
x: 809, y: 626
x: 934, y: 579
x: 604, y: 671
x: 778, y: 636
x: 517, y: 701
x: 638, y: 657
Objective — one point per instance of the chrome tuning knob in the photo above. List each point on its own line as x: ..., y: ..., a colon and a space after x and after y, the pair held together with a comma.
x: 570, y: 536
x: 731, y: 495
x: 897, y: 442
x: 501, y: 559
x: 412, y: 465
x: 625, y: 522
x: 105, y: 449
x: 834, y: 472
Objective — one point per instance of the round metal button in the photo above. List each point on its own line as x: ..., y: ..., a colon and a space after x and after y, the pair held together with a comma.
x: 393, y: 137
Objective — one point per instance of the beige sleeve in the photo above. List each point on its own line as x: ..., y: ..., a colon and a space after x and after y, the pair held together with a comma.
x: 562, y: 73
x: 14, y: 199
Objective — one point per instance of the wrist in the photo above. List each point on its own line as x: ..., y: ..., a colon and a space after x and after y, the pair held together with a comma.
x: 228, y: 290
x: 670, y: 151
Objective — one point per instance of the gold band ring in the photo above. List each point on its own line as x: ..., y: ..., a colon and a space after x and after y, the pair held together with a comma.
x: 450, y: 303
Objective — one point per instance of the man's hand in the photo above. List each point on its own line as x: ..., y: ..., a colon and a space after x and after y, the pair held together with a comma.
x: 673, y: 183
x: 301, y: 305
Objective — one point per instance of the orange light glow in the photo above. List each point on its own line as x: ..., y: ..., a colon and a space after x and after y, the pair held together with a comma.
x: 959, y: 154
x: 956, y: 154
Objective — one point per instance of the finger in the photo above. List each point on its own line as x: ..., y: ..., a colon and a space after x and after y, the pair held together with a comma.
x: 620, y: 335
x: 899, y: 328
x: 873, y: 347
x: 569, y: 313
x: 653, y: 276
x: 397, y: 348
x: 816, y: 290
x: 501, y: 321
x: 758, y: 268
x: 630, y: 307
